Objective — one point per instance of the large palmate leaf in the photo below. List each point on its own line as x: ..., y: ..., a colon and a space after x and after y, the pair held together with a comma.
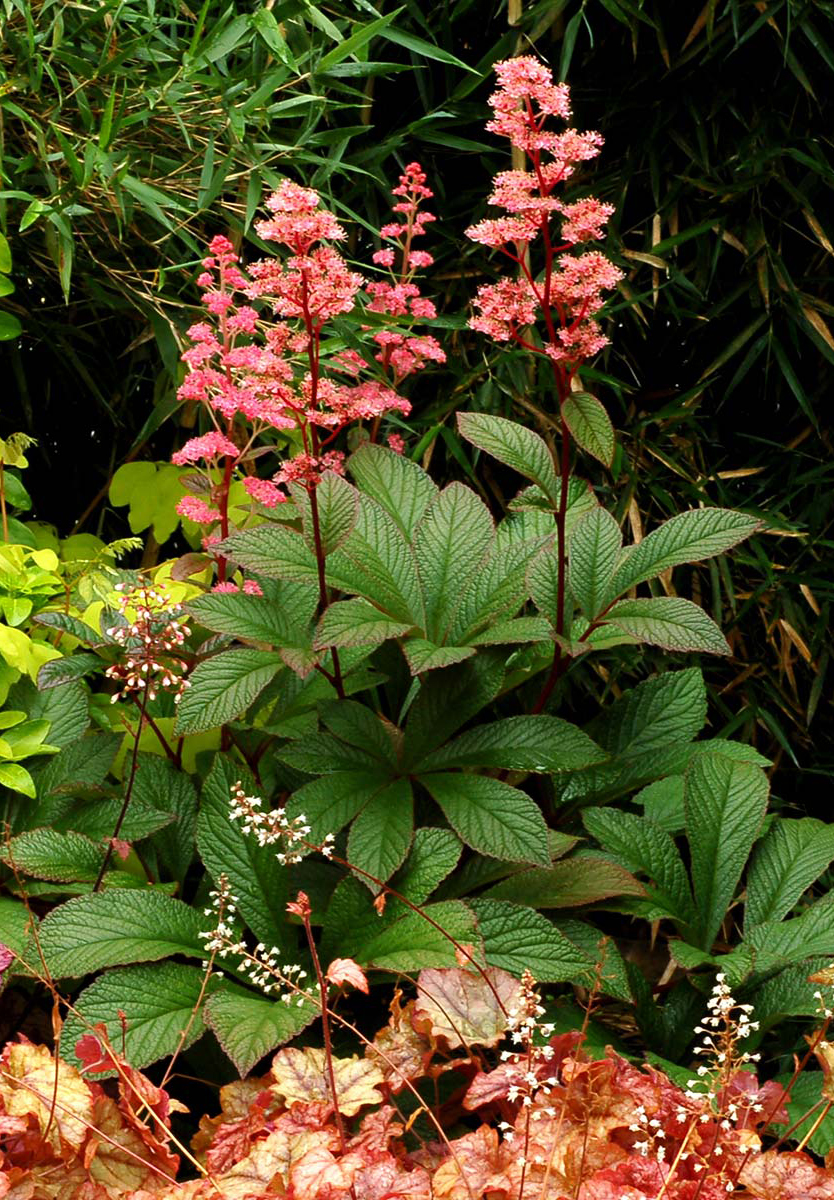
x: 515, y: 445
x: 447, y: 700
x: 254, y: 874
x: 159, y: 784
x: 402, y: 487
x: 449, y: 544
x: 668, y: 708
x: 535, y: 743
x: 223, y: 687
x: 331, y: 802
x: 595, y: 547
x: 791, y: 857
x: 490, y: 816
x: 670, y: 622
x: 688, y: 537
x: 724, y: 804
x: 117, y: 927
x: 146, y: 1008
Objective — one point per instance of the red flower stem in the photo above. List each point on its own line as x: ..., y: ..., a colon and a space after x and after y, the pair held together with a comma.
x: 134, y: 763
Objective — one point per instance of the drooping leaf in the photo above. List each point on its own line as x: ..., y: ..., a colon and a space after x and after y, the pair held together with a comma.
x: 670, y: 622
x: 223, y: 687
x: 117, y: 927
x: 595, y: 547
x: 516, y: 446
x: 158, y: 1000
x: 567, y: 884
x: 590, y: 426
x: 248, y: 1026
x: 463, y: 1007
x: 791, y: 856
x: 725, y: 804
x: 490, y: 816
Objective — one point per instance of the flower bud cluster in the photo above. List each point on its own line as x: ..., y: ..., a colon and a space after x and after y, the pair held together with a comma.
x: 275, y: 827
x: 151, y: 637
x: 726, y: 1025
x: 529, y: 1072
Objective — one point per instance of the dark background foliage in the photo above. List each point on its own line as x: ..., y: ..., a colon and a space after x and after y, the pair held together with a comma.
x: 133, y: 131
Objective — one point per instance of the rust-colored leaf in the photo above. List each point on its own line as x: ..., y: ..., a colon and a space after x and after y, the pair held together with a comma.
x: 300, y: 1077
x: 463, y: 1008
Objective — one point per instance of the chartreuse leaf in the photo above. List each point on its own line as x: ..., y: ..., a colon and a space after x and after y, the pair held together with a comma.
x: 17, y: 779
x: 645, y: 849
x: 381, y: 833
x: 112, y: 928
x: 433, y: 855
x: 670, y: 622
x: 248, y: 1026
x: 403, y: 488
x: 590, y: 426
x: 724, y: 804
x: 356, y: 623
x: 273, y: 551
x: 46, y: 854
x: 337, y: 503
x: 254, y: 874
x: 490, y: 816
x: 535, y: 743
x: 689, y: 537
x: 223, y: 687
x: 514, y: 445
x: 595, y: 547
x: 449, y: 544
x: 788, y: 859
x: 157, y: 1000
x: 518, y: 939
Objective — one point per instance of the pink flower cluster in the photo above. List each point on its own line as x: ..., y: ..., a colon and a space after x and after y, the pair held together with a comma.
x: 569, y: 290
x: 258, y: 370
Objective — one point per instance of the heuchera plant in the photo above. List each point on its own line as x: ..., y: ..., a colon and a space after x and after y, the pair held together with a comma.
x: 366, y: 738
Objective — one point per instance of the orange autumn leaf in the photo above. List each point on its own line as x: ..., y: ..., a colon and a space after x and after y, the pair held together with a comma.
x: 786, y: 1176
x: 345, y: 970
x: 28, y: 1085
x: 465, y: 1008
x: 300, y: 1077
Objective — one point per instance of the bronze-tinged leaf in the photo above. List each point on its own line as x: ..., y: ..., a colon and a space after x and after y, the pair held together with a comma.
x: 400, y: 1052
x: 28, y: 1083
x: 300, y: 1077
x: 478, y: 1167
x: 265, y: 1171
x: 786, y: 1176
x: 464, y: 1008
x: 825, y: 976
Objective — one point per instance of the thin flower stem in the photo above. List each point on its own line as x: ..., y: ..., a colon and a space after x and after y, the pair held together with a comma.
x: 134, y: 763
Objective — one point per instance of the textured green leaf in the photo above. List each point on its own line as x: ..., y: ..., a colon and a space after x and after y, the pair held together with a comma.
x: 256, y: 618
x: 322, y: 754
x: 15, y: 925
x: 535, y: 743
x: 595, y: 547
x: 543, y: 582
x: 645, y: 849
x: 157, y: 1000
x: 426, y: 656
x: 490, y: 816
x: 433, y: 855
x: 670, y: 622
x: 499, y: 587
x: 780, y: 943
x: 725, y: 804
x: 248, y: 1026
x: 804, y: 1111
x: 663, y: 803
x: 223, y: 687
x: 402, y: 487
x: 512, y: 632
x: 567, y: 884
x: 447, y: 700
x: 590, y: 426
x: 97, y: 818
x: 688, y: 537
x: 329, y: 803
x: 158, y: 784
x: 59, y: 671
x: 338, y: 504
x: 516, y: 446
x: 83, y: 764
x: 58, y: 856
x: 668, y: 709
x: 356, y: 623
x: 449, y: 544
x: 360, y: 726
x: 273, y: 551
x: 381, y: 833
x: 377, y: 562
x: 788, y: 993
x: 67, y: 709
x: 791, y: 856
x: 112, y: 928
x: 254, y: 874
x: 518, y: 939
